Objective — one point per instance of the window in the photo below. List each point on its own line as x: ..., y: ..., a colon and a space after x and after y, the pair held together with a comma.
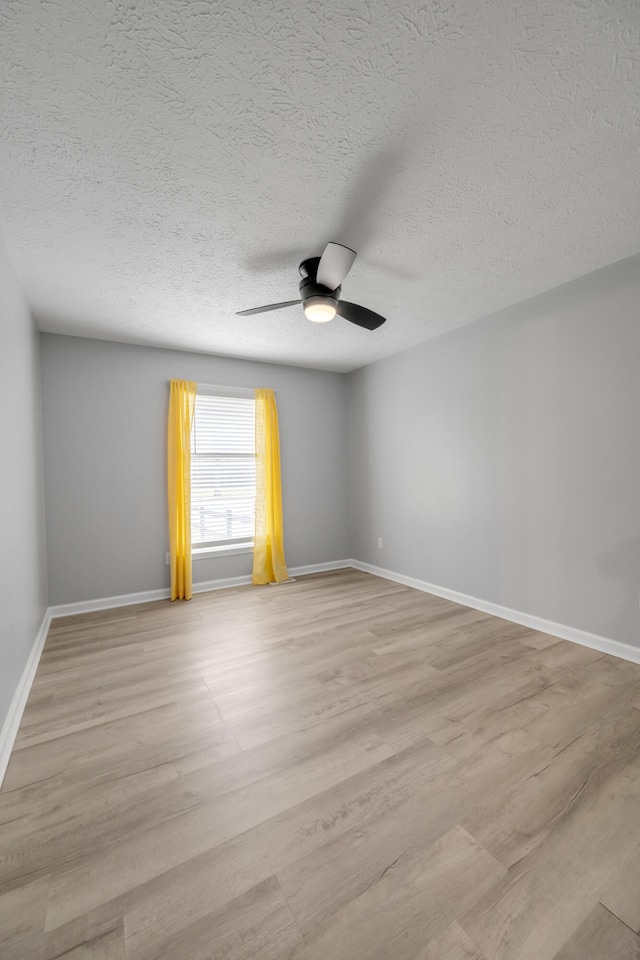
x: 223, y: 470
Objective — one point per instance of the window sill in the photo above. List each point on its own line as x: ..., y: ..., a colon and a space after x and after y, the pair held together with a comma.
x: 206, y: 553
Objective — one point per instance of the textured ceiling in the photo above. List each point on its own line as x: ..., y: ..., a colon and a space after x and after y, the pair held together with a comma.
x: 164, y: 164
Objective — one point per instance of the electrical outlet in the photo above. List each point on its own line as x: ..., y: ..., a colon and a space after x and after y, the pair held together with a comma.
x: 379, y: 541
x: 167, y: 558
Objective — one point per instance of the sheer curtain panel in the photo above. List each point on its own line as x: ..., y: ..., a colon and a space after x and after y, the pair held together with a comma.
x: 268, y: 553
x: 182, y: 399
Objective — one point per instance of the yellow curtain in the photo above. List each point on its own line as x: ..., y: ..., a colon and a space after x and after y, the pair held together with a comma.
x: 182, y: 400
x: 268, y: 553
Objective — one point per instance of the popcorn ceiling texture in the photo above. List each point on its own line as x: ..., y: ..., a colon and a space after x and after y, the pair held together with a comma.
x: 165, y: 164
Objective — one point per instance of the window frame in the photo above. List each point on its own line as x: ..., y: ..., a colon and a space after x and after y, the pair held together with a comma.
x: 203, y: 550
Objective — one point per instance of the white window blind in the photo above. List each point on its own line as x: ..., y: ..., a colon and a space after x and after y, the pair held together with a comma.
x: 223, y: 471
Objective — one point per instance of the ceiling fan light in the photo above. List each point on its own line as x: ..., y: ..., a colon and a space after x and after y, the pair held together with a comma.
x: 320, y: 309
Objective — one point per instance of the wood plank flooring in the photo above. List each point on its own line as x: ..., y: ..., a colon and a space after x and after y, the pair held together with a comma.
x: 339, y: 768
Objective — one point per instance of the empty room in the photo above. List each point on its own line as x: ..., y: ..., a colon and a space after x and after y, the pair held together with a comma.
x: 320, y: 480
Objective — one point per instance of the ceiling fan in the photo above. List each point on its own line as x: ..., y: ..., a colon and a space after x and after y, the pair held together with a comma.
x: 320, y: 287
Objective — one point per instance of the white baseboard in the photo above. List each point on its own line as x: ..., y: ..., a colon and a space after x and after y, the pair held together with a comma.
x: 148, y: 596
x: 12, y: 722
x: 320, y: 568
x: 106, y: 603
x: 614, y: 648
x: 624, y: 651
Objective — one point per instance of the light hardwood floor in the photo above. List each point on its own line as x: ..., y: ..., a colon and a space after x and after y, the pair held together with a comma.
x: 339, y: 768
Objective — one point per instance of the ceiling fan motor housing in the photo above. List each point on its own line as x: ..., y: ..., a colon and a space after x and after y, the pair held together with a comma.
x: 312, y: 292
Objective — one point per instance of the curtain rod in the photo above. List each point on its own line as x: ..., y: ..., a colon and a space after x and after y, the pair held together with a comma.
x: 216, y: 386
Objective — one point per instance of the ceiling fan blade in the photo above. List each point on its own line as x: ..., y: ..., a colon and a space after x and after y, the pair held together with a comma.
x: 269, y: 306
x: 361, y: 316
x: 335, y: 263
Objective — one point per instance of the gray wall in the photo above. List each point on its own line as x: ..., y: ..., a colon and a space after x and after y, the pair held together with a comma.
x: 23, y: 592
x: 503, y: 460
x: 105, y: 410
